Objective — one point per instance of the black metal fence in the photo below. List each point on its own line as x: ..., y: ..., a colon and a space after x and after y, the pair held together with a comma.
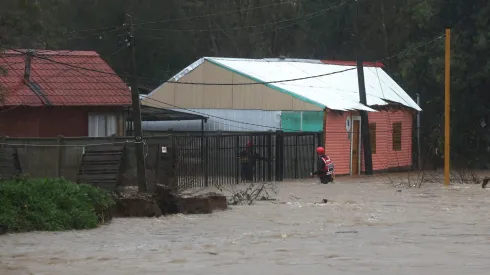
x: 212, y: 159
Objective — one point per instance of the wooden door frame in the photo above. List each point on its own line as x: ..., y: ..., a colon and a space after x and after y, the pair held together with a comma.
x: 351, y: 145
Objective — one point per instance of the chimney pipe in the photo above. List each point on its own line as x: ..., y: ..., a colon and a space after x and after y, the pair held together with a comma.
x: 27, y: 68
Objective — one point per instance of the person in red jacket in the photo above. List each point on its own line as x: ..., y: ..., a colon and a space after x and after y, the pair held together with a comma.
x: 324, y: 166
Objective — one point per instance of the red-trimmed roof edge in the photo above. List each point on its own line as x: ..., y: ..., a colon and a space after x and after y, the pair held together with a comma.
x: 353, y: 63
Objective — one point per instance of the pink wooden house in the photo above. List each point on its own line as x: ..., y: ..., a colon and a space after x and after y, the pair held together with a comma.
x: 391, y: 140
x: 328, y: 89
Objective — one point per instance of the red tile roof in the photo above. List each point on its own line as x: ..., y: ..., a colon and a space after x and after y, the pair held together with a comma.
x: 60, y: 84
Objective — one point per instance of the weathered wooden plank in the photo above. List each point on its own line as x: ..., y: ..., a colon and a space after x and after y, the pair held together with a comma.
x: 96, y: 164
x: 10, y: 158
x: 113, y: 171
x: 100, y: 167
x: 8, y: 150
x: 97, y: 177
x: 104, y: 148
x: 101, y: 158
x: 105, y: 152
x: 95, y: 173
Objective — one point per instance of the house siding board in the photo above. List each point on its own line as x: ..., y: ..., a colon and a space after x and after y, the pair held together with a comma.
x: 338, y: 146
x: 386, y: 157
x: 337, y: 143
x: 240, y: 97
x: 48, y: 121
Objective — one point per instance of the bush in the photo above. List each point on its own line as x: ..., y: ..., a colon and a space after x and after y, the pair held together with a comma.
x: 51, y: 205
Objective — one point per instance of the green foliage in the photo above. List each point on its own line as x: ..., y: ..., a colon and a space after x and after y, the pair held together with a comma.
x: 51, y: 205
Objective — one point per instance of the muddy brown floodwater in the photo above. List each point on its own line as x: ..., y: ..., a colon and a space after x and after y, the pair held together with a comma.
x: 365, y: 228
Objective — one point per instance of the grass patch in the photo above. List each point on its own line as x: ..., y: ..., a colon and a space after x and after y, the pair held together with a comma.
x: 51, y: 205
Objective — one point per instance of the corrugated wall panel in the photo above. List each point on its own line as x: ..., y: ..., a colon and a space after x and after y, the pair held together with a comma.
x: 270, y: 119
x: 306, y: 121
x: 337, y: 143
x: 386, y: 157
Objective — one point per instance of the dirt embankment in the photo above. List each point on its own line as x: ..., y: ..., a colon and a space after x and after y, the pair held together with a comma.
x: 130, y: 203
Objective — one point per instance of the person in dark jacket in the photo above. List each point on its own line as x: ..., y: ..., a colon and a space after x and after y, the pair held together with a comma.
x: 248, y: 159
x: 322, y: 162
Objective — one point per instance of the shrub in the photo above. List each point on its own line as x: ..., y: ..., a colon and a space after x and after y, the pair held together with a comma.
x: 51, y: 205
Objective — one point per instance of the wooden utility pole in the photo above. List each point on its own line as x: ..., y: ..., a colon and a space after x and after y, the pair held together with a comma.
x: 366, y: 139
x: 135, y: 98
x: 447, y: 109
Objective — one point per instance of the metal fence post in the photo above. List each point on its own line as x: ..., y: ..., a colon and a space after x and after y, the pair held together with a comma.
x: 237, y: 160
x: 269, y: 156
x: 59, y: 141
x: 296, y: 162
x: 279, y: 156
x: 206, y: 162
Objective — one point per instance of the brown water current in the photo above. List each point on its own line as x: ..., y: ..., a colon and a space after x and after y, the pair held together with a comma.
x: 365, y: 228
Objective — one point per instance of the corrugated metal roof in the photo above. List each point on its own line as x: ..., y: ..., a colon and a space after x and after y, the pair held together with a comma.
x: 224, y: 120
x: 337, y: 92
x: 62, y: 85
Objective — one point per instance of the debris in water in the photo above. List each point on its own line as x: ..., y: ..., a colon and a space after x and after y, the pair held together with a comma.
x: 398, y: 190
x: 3, y: 229
x: 347, y: 232
x: 324, y: 201
x: 485, y: 182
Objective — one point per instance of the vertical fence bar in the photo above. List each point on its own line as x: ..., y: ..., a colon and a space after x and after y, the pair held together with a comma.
x: 269, y: 156
x: 279, y: 156
x: 58, y: 155
x: 237, y: 160
x: 296, y: 163
x: 206, y: 161
x: 264, y: 154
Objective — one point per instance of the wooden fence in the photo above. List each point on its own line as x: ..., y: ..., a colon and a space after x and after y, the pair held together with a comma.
x: 62, y: 157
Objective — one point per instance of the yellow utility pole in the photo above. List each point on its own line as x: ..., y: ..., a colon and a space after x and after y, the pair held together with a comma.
x: 447, y: 109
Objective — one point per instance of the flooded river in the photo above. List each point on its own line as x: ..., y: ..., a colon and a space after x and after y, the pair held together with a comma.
x: 365, y: 228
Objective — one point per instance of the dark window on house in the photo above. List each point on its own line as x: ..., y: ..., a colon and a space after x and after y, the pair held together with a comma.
x: 397, y: 136
x: 372, y: 136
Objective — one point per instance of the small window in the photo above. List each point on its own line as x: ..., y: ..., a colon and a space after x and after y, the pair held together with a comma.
x: 102, y: 125
x: 372, y: 135
x: 397, y: 136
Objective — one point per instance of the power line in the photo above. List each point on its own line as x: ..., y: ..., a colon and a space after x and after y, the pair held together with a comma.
x: 241, y: 122
x: 189, y: 83
x: 231, y: 84
x: 216, y: 14
x: 189, y: 17
x: 94, y: 34
x: 307, y: 17
x: 236, y: 121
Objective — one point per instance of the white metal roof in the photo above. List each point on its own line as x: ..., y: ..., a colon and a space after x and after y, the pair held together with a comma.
x: 337, y: 91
